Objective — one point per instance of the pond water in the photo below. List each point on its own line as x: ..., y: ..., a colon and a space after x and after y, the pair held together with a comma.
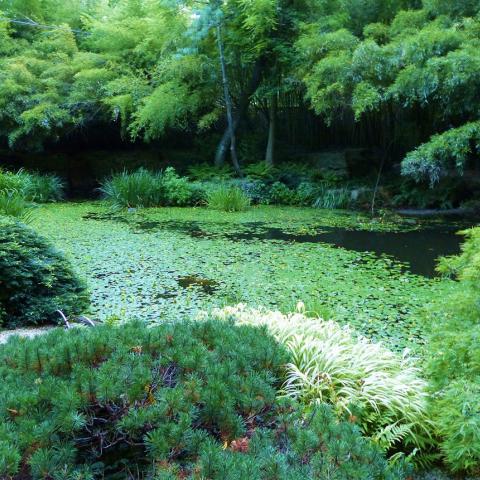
x: 166, y: 263
x: 418, y: 249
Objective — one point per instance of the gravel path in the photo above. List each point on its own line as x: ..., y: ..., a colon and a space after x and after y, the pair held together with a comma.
x: 24, y: 332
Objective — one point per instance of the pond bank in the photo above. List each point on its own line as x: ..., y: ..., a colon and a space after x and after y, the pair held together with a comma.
x: 438, y: 213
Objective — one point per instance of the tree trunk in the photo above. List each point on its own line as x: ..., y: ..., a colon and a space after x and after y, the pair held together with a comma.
x: 272, y: 123
x: 228, y: 103
x: 224, y: 142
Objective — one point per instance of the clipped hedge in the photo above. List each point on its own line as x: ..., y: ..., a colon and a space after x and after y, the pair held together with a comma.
x: 35, y: 279
x: 181, y: 400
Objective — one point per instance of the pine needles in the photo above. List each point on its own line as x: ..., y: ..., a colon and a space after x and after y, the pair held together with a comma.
x: 183, y: 400
x: 382, y: 391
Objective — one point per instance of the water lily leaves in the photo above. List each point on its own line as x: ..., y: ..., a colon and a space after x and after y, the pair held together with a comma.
x: 135, y: 272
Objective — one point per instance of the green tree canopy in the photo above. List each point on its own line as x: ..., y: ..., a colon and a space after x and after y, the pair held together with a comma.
x: 425, y: 58
x: 152, y: 67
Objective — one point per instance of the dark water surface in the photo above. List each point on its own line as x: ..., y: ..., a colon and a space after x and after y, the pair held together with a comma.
x: 420, y: 249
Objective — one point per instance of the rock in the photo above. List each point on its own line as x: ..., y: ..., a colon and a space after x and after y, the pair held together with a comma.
x: 330, y: 162
x: 347, y: 162
x: 359, y: 161
x: 361, y: 194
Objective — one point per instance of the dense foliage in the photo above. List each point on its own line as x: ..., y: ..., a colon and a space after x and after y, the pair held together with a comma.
x: 454, y: 359
x: 35, y: 279
x: 319, y: 103
x: 228, y: 198
x: 19, y: 190
x: 422, y: 61
x: 146, y: 189
x: 31, y: 186
x: 406, y: 66
x: 183, y: 400
x: 143, y: 188
x: 381, y: 390
x: 14, y: 205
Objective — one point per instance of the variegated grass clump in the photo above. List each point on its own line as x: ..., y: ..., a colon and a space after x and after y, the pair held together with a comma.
x: 382, y: 391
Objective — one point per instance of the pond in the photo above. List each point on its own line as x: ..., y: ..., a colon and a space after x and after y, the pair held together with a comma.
x: 417, y: 249
x: 153, y: 263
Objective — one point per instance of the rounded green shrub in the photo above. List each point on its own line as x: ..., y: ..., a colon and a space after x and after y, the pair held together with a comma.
x: 179, y: 191
x: 180, y: 400
x: 281, y: 194
x: 35, y: 279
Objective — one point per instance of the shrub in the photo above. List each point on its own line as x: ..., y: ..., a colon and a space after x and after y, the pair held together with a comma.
x: 14, y: 205
x: 35, y: 279
x: 180, y: 400
x: 11, y: 182
x: 228, y: 198
x: 411, y: 193
x: 307, y: 193
x: 43, y: 188
x: 280, y: 194
x: 179, y: 191
x: 255, y: 190
x: 453, y: 359
x: 147, y: 189
x: 32, y: 187
x: 138, y: 189
x: 206, y: 171
x: 331, y: 198
x: 260, y: 171
x: 318, y: 195
x: 466, y: 267
x: 382, y: 390
x: 457, y: 415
